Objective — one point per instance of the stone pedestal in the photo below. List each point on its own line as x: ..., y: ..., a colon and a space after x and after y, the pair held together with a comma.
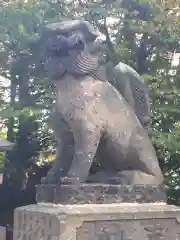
x: 2, y: 233
x: 97, y: 222
x: 99, y: 193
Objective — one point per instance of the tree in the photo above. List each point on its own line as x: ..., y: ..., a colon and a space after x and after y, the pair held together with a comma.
x: 23, y: 112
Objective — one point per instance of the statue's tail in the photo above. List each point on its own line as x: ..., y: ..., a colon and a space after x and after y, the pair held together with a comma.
x: 132, y: 87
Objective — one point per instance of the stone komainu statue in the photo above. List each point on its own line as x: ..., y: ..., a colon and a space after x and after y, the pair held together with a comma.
x: 124, y: 78
x: 97, y: 115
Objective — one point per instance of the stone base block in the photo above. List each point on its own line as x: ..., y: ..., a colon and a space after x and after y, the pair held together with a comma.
x: 95, y: 193
x: 97, y: 222
x: 2, y: 233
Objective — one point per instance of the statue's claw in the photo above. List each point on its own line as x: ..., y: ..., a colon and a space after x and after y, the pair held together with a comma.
x: 69, y: 180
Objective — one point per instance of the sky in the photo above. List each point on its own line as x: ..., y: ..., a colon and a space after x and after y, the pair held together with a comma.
x: 4, y: 81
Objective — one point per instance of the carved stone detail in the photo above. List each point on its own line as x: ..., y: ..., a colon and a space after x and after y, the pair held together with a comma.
x: 154, y: 229
x: 99, y: 193
x: 33, y: 226
x: 96, y: 222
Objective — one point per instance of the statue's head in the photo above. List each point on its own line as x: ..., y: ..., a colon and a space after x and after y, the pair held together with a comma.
x: 69, y: 46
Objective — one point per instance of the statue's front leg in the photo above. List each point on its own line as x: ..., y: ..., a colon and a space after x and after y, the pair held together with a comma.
x: 87, y: 137
x: 64, y: 152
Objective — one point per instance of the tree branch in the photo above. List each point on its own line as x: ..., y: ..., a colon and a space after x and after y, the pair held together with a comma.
x: 11, y: 47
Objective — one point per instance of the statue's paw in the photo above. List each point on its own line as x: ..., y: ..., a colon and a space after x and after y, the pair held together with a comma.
x: 43, y: 180
x: 69, y: 180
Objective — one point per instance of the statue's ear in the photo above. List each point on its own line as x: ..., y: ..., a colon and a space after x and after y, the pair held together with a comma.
x: 97, y: 46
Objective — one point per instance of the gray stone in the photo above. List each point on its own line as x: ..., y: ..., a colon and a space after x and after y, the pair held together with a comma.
x: 96, y: 120
x: 2, y: 233
x: 97, y: 222
x: 99, y: 194
x: 59, y: 38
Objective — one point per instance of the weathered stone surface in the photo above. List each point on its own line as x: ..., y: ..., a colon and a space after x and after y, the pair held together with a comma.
x: 97, y: 222
x: 125, y: 230
x: 96, y: 119
x: 99, y: 193
x: 2, y: 233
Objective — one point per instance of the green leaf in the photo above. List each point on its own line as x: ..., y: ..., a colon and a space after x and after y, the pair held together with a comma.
x: 21, y: 28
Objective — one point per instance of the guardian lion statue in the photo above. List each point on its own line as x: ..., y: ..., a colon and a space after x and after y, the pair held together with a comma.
x: 98, y: 115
